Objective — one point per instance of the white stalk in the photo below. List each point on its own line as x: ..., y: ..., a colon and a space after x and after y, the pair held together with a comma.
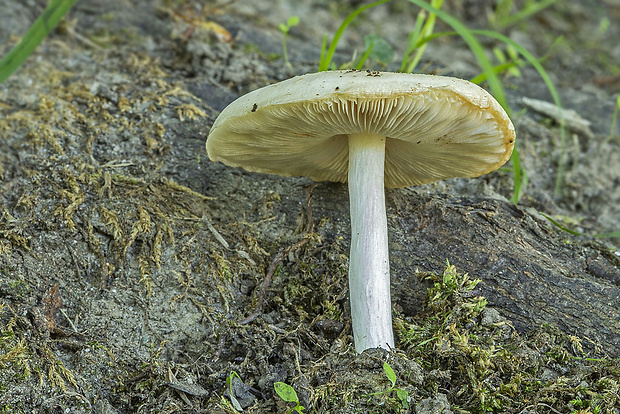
x: 369, y: 266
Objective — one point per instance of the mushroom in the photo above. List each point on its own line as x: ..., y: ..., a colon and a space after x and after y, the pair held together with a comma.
x: 374, y: 130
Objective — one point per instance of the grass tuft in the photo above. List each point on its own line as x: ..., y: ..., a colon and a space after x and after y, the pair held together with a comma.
x: 50, y: 17
x: 422, y: 33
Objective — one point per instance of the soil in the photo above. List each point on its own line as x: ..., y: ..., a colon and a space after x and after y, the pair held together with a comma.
x: 132, y: 268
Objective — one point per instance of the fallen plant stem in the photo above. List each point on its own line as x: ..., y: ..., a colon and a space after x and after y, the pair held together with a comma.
x: 215, y: 233
x: 278, y: 259
x: 263, y: 288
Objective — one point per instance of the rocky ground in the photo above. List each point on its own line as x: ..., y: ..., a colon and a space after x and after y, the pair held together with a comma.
x: 130, y: 264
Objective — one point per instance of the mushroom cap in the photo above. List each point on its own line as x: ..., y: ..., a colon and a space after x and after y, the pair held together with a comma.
x: 436, y: 127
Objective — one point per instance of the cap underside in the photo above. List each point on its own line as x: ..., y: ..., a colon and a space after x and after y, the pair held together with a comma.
x: 431, y: 134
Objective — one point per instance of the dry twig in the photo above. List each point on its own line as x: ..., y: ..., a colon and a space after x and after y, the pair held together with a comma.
x: 278, y: 259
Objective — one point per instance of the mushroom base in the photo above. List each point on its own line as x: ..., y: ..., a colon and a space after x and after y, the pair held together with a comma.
x: 369, y: 267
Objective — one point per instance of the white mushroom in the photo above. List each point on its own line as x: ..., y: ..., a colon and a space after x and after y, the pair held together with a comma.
x: 374, y: 130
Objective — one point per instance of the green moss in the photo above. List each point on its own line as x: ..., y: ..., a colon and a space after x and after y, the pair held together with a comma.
x: 493, y: 369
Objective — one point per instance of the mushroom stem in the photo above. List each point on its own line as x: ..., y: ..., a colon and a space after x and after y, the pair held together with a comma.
x: 369, y: 266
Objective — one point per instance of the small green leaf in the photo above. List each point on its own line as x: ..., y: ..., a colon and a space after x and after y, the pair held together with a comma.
x: 381, y: 49
x: 499, y: 55
x: 286, y: 392
x: 230, y: 377
x: 389, y: 372
x: 603, y: 25
x: 283, y: 28
x: 403, y: 396
x: 293, y: 21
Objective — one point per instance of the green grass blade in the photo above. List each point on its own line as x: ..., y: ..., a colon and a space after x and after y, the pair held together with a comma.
x: 50, y: 17
x: 612, y: 234
x: 530, y: 59
x: 435, y: 35
x: 428, y: 28
x: 518, y: 175
x: 494, y: 84
x: 413, y: 39
x: 502, y: 67
x: 476, y: 48
x: 607, y: 235
x: 326, y: 58
x: 537, y: 66
x: 614, y: 121
x: 561, y: 226
x: 552, y: 90
x: 285, y: 52
x: 364, y: 57
x: 323, y: 48
x: 524, y: 13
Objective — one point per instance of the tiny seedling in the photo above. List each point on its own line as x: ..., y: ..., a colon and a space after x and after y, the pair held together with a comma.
x: 402, y: 395
x: 231, y: 392
x: 284, y: 28
x: 288, y: 394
